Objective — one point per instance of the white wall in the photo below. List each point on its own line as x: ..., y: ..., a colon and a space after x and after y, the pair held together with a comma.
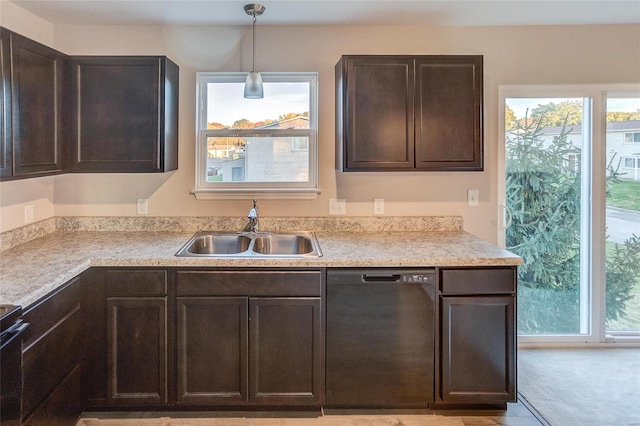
x: 512, y: 55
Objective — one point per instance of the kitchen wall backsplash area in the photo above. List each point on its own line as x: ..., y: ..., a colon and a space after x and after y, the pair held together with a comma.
x: 30, y: 232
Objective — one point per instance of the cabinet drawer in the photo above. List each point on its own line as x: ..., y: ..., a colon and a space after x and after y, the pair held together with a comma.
x: 43, y: 363
x: 134, y: 283
x: 44, y: 315
x: 478, y: 280
x: 64, y: 405
x: 249, y: 283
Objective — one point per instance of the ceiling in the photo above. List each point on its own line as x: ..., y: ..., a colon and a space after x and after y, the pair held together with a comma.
x: 330, y: 12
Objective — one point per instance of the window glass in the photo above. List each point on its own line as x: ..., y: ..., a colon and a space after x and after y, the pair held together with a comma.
x: 262, y: 145
x: 623, y: 214
x: 546, y: 143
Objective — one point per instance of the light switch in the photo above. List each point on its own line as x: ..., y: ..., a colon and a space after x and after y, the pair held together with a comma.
x: 337, y: 206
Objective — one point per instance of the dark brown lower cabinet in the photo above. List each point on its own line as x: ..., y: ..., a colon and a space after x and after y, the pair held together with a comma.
x: 285, y: 351
x: 477, y: 353
x: 212, y: 350
x: 137, y: 350
x: 240, y: 350
x: 250, y: 337
x: 53, y: 356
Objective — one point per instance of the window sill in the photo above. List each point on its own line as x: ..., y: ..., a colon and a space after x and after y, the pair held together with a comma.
x: 263, y: 193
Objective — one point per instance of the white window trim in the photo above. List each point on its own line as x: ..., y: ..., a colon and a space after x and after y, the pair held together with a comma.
x: 598, y: 93
x: 245, y: 190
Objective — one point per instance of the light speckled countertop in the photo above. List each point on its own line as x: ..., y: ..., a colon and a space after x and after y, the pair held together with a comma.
x: 32, y: 269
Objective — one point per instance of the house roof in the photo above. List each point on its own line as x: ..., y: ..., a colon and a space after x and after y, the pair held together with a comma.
x: 615, y: 126
x: 297, y: 122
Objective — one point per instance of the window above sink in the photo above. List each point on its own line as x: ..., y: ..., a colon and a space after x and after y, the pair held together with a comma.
x: 263, y: 146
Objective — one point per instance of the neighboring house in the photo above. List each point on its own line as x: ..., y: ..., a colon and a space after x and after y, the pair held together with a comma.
x: 623, y: 145
x: 288, y: 156
x: 623, y: 138
x: 233, y: 159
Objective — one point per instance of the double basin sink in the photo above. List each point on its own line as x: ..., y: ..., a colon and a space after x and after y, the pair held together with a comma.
x: 251, y: 244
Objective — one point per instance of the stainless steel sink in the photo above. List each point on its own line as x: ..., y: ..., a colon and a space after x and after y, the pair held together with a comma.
x: 283, y: 244
x: 219, y: 244
x: 251, y: 244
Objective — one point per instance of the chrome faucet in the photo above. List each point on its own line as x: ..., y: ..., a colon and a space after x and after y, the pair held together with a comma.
x: 254, y: 218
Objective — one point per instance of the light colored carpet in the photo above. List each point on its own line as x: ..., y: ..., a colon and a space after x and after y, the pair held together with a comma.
x: 586, y: 387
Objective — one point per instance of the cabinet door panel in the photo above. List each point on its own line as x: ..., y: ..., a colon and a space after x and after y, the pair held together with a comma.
x: 117, y: 113
x: 212, y: 350
x: 379, y: 113
x: 125, y: 114
x: 286, y: 351
x: 137, y: 358
x: 449, y: 113
x: 38, y: 87
x: 477, y: 349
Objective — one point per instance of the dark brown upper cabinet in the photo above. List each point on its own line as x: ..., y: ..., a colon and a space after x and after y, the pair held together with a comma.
x: 125, y: 114
x: 409, y: 113
x: 34, y: 107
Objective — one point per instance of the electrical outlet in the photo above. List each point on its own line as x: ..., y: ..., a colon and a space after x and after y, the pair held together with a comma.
x: 472, y: 197
x: 143, y: 206
x: 28, y: 213
x: 337, y: 206
x: 378, y: 206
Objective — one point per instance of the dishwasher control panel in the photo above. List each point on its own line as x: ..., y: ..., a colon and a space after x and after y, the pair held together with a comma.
x: 418, y: 278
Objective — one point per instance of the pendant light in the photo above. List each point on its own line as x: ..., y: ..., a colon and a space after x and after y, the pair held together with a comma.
x: 253, y: 84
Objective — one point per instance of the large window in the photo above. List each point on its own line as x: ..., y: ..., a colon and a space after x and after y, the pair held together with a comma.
x: 571, y: 202
x: 266, y: 147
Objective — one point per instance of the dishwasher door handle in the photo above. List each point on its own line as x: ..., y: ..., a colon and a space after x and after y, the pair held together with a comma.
x: 376, y: 278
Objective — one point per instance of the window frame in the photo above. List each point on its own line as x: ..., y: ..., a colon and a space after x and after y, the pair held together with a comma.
x: 632, y: 138
x: 634, y: 160
x: 265, y: 190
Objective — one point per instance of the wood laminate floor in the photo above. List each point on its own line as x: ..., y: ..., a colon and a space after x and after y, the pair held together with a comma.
x: 517, y: 414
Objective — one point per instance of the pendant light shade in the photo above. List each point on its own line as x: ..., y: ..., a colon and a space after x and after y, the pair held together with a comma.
x: 253, y: 84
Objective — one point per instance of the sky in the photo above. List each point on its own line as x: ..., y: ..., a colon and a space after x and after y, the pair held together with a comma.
x: 226, y: 102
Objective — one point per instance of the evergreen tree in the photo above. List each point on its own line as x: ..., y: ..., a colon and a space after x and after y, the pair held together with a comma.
x: 543, y: 194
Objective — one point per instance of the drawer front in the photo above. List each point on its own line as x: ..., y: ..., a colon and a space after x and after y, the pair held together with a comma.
x: 478, y: 280
x: 249, y: 283
x: 45, y: 314
x: 51, y: 358
x: 136, y: 282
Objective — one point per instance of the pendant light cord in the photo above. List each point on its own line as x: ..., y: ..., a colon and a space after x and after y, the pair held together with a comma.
x: 253, y: 64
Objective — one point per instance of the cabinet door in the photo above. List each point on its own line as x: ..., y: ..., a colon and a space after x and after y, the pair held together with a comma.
x: 124, y: 114
x: 137, y: 350
x: 377, y: 123
x: 212, y: 343
x: 6, y: 168
x: 477, y: 353
x: 286, y: 351
x: 38, y: 85
x: 448, y: 125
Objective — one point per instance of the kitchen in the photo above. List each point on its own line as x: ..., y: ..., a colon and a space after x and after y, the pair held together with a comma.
x: 195, y: 48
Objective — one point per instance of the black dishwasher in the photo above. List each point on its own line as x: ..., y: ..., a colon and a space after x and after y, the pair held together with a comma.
x: 380, y: 338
